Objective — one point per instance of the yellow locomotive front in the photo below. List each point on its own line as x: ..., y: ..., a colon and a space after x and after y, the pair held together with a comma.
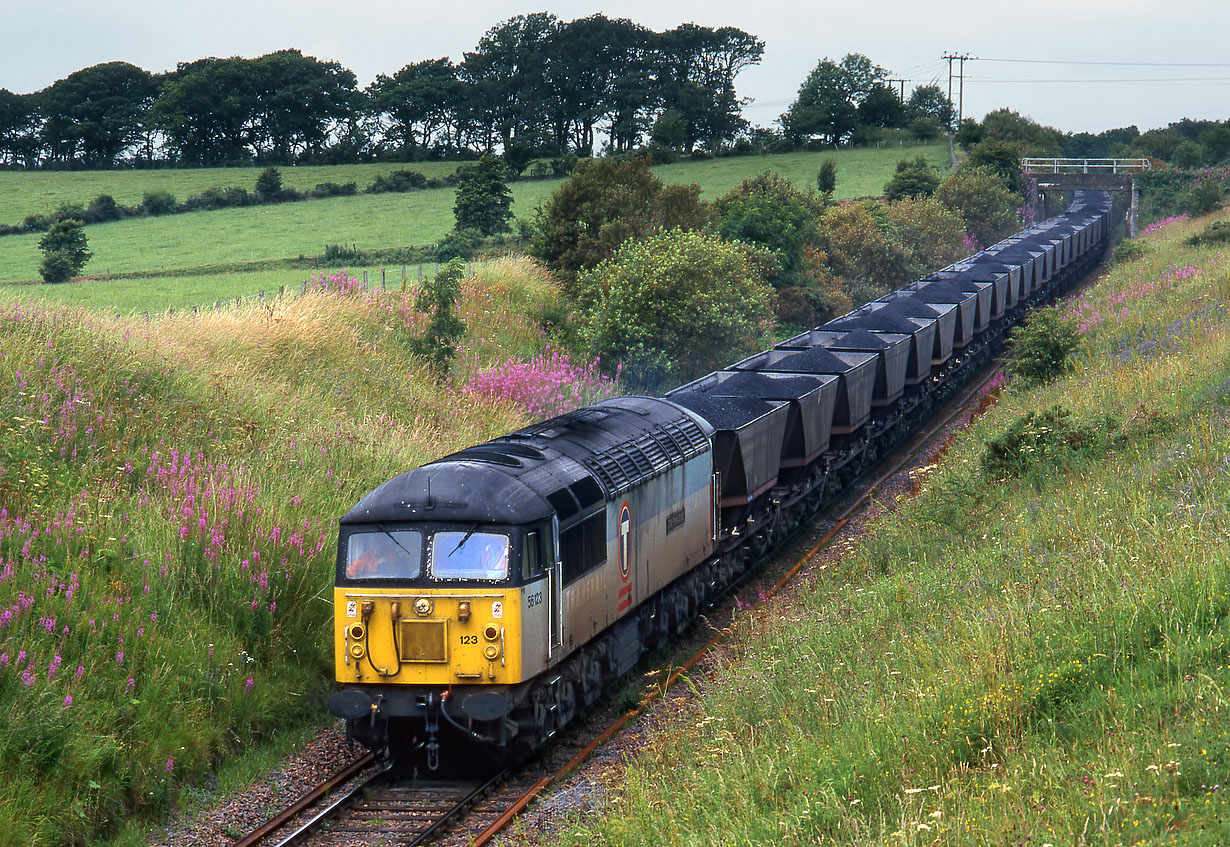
x: 442, y: 611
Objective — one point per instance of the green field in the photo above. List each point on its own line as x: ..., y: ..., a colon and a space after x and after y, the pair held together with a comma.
x: 213, y: 242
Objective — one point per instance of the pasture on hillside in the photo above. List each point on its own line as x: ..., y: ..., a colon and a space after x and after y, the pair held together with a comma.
x: 205, y: 242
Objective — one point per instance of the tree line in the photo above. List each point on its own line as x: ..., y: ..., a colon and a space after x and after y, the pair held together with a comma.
x: 534, y: 85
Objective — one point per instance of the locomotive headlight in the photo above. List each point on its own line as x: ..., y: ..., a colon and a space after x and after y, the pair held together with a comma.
x: 491, y: 632
x: 422, y: 607
x: 492, y: 652
x: 357, y: 651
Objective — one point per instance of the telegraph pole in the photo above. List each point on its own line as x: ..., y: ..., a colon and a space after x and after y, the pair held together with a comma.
x: 957, y: 57
x: 903, y: 82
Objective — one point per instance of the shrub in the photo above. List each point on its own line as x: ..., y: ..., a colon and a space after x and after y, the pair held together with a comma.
x: 437, y: 298
x: 102, y: 208
x: 1129, y: 250
x: 1040, y: 440
x: 65, y: 251
x: 913, y: 178
x: 57, y: 266
x: 864, y: 251
x: 342, y: 254
x: 1203, y: 198
x: 458, y: 244
x: 982, y: 200
x: 269, y: 185
x: 397, y: 182
x: 218, y: 198
x: 826, y: 178
x: 1041, y: 346
x: 333, y: 189
x: 603, y: 204
x: 767, y: 211
x: 159, y: 203
x: 673, y: 306
x: 483, y: 201
x: 932, y: 234
x: 1217, y: 232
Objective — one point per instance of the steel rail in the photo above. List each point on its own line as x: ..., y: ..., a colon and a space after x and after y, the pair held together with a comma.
x: 309, y: 798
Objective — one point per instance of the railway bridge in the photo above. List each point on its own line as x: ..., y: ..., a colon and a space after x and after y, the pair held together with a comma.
x: 1042, y: 175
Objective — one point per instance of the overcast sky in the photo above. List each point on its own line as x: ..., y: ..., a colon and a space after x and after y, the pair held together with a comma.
x: 1160, y: 46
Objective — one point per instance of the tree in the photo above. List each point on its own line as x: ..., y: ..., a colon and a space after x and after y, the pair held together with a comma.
x: 882, y: 108
x: 19, y: 141
x: 93, y: 115
x: 604, y: 203
x: 982, y: 200
x: 297, y: 101
x: 913, y: 178
x: 695, y: 69
x: 65, y: 251
x: 437, y: 298
x: 483, y: 201
x: 929, y: 101
x: 767, y: 211
x: 416, y: 104
x: 828, y: 101
x: 673, y: 306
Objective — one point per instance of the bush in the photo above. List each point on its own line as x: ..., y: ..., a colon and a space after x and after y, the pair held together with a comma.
x: 982, y: 200
x: 673, y: 306
x: 437, y: 298
x: 1217, y: 232
x: 269, y: 185
x: 768, y: 212
x: 343, y: 254
x: 826, y: 178
x: 1041, y: 346
x: 603, y: 204
x: 218, y: 198
x: 913, y: 178
x: 1040, y: 440
x: 65, y: 251
x: 397, y: 182
x: 483, y: 201
x: 1129, y: 250
x: 1203, y: 198
x: 57, y: 266
x: 458, y: 244
x: 932, y: 234
x: 864, y: 250
x: 159, y: 203
x: 102, y: 208
x: 333, y: 189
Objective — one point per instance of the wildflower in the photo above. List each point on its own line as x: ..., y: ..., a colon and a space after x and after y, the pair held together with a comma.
x: 68, y: 700
x: 170, y: 764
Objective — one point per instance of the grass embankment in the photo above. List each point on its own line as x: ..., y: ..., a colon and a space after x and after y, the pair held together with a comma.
x: 169, y: 492
x: 204, y: 243
x: 1035, y: 651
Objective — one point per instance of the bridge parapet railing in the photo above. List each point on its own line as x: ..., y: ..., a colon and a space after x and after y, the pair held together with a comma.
x: 1084, y: 166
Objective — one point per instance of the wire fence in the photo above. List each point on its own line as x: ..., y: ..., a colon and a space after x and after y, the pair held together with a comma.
x: 398, y: 280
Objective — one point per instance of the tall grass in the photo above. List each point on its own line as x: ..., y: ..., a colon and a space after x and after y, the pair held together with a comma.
x: 169, y: 491
x: 1042, y: 659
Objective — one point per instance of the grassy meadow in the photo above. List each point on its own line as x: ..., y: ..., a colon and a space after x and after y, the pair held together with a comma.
x: 216, y: 241
x: 1032, y: 652
x: 169, y: 491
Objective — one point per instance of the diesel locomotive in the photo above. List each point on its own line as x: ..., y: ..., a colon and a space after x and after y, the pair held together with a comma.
x: 484, y: 598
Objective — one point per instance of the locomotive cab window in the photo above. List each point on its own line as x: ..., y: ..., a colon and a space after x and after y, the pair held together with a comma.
x: 469, y: 555
x: 384, y: 555
x: 531, y: 556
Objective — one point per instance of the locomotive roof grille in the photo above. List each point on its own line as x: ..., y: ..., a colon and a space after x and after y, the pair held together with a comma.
x: 623, y: 466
